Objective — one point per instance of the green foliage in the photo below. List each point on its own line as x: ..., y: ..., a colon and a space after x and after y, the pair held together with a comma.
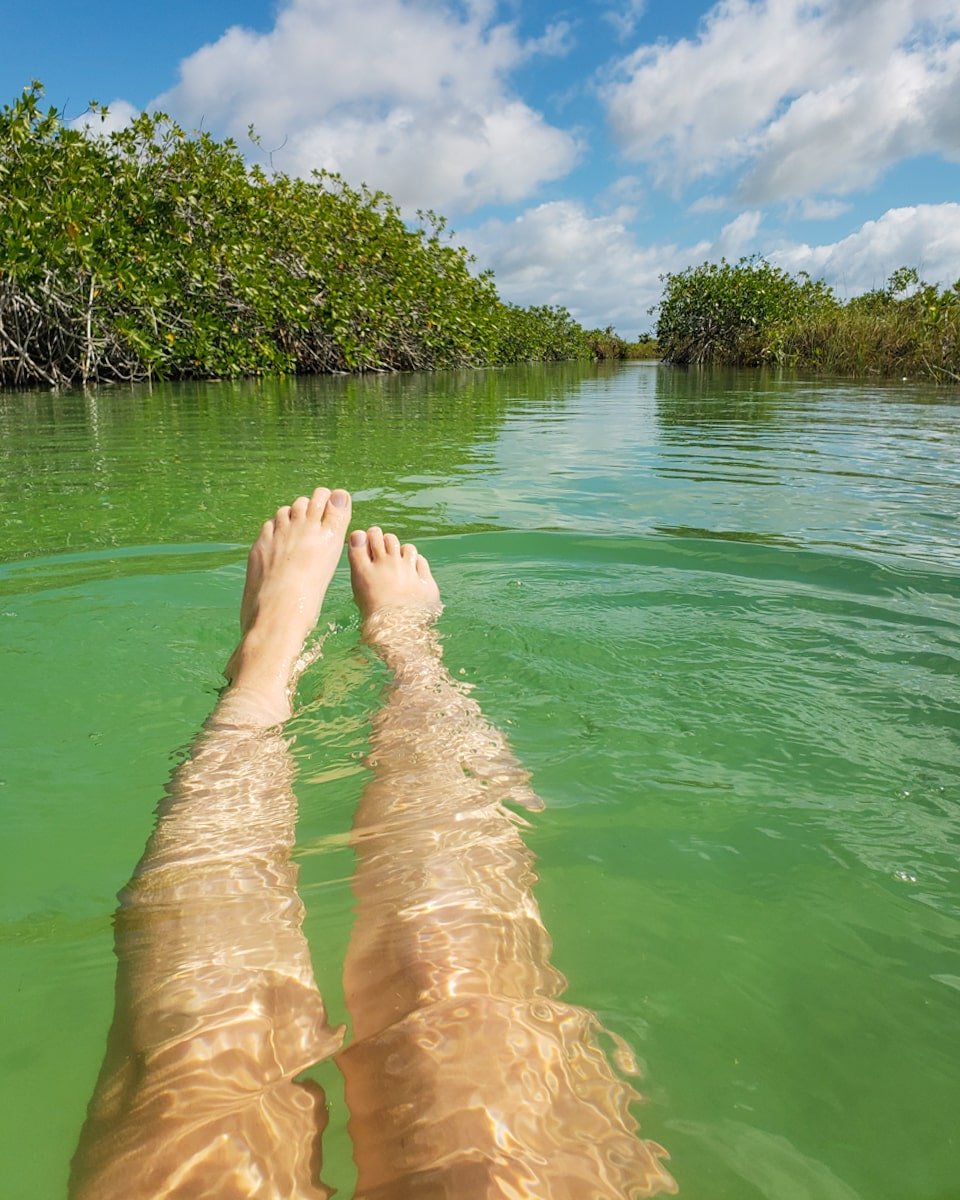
x: 645, y: 347
x: 541, y: 333
x: 752, y: 312
x: 733, y: 313
x: 908, y: 328
x: 148, y: 253
x: 606, y: 344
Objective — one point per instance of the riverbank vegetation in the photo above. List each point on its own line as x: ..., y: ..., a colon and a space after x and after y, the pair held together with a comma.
x: 750, y: 313
x: 148, y: 253
x: 644, y: 348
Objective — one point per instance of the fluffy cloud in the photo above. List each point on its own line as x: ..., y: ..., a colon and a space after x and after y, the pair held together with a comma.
x: 558, y: 253
x: 119, y: 114
x: 625, y: 17
x: 410, y: 97
x: 709, y: 204
x: 802, y: 97
x: 737, y: 236
x: 812, y: 209
x: 925, y: 236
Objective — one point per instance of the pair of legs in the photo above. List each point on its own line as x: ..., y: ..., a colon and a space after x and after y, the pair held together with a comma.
x: 466, y: 1075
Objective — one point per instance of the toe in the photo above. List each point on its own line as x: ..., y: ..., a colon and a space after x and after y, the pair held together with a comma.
x: 423, y: 568
x: 391, y: 543
x: 298, y: 508
x: 282, y: 517
x: 409, y: 551
x: 318, y: 500
x: 376, y: 543
x: 336, y: 512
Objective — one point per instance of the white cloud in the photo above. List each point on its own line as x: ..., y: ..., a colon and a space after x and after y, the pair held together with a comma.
x: 556, y: 41
x: 812, y: 209
x: 925, y: 236
x: 625, y: 189
x: 119, y: 114
x: 558, y: 253
x: 709, y: 204
x: 738, y: 235
x: 806, y: 97
x: 625, y: 16
x: 410, y: 97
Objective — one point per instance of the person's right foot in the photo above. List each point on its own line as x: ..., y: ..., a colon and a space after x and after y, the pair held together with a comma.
x: 387, y: 575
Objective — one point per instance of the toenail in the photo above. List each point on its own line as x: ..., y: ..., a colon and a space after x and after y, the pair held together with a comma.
x: 357, y: 538
x: 339, y: 498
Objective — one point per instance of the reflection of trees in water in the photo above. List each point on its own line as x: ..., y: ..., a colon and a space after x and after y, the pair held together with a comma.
x: 188, y: 462
x: 692, y: 398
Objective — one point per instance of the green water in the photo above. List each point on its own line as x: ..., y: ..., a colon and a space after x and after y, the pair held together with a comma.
x: 717, y: 616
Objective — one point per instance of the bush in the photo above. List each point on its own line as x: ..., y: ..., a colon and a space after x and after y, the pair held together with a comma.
x: 541, y: 333
x: 751, y: 313
x: 734, y: 313
x: 645, y: 347
x: 150, y: 253
x: 606, y: 344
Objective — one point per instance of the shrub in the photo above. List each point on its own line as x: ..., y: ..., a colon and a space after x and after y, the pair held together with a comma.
x: 645, y: 347
x: 751, y: 312
x: 606, y: 344
x: 733, y: 313
x: 150, y: 253
x: 542, y: 333
x: 908, y: 328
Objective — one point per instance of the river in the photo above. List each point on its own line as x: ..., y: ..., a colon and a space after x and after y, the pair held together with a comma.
x: 718, y: 616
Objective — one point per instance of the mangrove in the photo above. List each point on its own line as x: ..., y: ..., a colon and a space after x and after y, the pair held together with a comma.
x: 750, y: 313
x: 148, y: 253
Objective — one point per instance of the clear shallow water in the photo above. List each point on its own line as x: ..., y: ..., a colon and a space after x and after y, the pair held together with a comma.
x: 717, y: 616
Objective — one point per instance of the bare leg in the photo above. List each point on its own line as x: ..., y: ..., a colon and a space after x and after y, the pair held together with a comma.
x: 468, y: 1076
x: 216, y: 1005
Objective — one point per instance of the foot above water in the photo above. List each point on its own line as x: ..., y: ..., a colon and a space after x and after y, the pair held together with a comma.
x: 386, y: 575
x: 288, y: 571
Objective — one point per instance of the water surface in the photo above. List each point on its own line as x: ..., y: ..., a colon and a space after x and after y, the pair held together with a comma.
x: 717, y: 615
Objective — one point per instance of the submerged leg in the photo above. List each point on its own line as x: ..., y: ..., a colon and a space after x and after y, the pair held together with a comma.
x: 217, y: 1008
x: 468, y: 1076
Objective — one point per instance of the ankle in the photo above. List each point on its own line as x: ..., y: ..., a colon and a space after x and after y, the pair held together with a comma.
x: 406, y: 639
x: 260, y: 681
x: 245, y: 705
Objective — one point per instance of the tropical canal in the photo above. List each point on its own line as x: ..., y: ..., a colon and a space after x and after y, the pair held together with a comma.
x: 717, y: 616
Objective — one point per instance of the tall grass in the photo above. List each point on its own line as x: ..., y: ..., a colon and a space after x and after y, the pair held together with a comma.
x: 914, y: 337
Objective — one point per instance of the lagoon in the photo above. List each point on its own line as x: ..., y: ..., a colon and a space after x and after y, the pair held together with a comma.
x: 718, y: 615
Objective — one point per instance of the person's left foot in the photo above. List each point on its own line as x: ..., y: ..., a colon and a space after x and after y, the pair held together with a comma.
x: 289, y: 569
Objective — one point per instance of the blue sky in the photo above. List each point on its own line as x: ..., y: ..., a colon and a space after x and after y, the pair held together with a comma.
x: 579, y: 150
